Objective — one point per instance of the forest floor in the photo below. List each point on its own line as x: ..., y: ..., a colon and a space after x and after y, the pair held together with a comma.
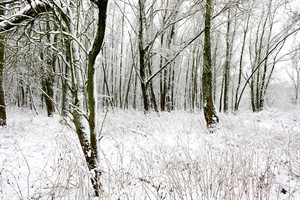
x: 155, y: 156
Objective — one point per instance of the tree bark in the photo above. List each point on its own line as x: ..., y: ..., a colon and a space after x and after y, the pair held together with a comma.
x: 142, y: 64
x: 65, y: 84
x: 245, y: 32
x: 47, y: 85
x: 209, y: 108
x: 227, y: 64
x: 2, y: 95
x: 93, y: 53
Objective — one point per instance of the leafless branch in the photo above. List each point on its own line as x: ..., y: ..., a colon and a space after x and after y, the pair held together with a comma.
x: 29, y: 12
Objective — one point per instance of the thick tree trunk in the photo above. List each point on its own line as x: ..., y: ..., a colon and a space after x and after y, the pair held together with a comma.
x: 144, y: 84
x: 207, y: 79
x: 2, y: 96
x: 47, y: 84
x: 50, y: 74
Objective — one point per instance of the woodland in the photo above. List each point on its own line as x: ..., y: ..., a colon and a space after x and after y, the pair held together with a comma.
x: 80, y: 59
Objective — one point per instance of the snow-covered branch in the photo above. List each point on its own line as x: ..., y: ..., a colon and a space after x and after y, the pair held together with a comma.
x: 7, y: 2
x: 95, y: 2
x: 29, y: 12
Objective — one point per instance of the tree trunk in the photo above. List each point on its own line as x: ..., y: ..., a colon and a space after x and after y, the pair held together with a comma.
x: 186, y: 88
x: 47, y: 85
x: 221, y: 95
x: 245, y: 32
x: 207, y: 79
x: 2, y: 96
x: 84, y: 112
x: 194, y: 80
x: 142, y: 63
x: 133, y: 67
x: 121, y: 62
x: 134, y: 104
x: 163, y: 75
x: 92, y: 118
x: 65, y: 88
x: 227, y: 64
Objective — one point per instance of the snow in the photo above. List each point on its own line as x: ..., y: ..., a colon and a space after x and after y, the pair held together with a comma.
x: 154, y: 156
x: 27, y: 7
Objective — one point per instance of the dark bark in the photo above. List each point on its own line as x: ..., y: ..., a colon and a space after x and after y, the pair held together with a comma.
x: 65, y: 88
x: 96, y: 47
x: 48, y: 81
x: 162, y: 83
x: 47, y: 84
x: 221, y: 95
x: 207, y: 79
x: 142, y: 54
x: 2, y: 95
x: 152, y: 93
x: 194, y: 83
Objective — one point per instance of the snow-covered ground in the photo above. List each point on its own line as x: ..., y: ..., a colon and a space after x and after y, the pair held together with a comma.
x: 154, y: 156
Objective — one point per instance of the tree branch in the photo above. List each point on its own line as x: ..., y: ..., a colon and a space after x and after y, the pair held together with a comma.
x: 95, y: 2
x: 179, y: 52
x: 263, y: 60
x: 7, y: 2
x: 29, y: 12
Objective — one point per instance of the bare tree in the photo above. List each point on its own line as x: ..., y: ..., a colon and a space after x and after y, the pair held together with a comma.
x: 264, y: 52
x: 294, y: 73
x: 207, y: 79
x: 92, y: 55
x: 245, y: 30
x: 148, y: 35
x: 230, y: 36
x: 2, y: 59
x: 83, y: 107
